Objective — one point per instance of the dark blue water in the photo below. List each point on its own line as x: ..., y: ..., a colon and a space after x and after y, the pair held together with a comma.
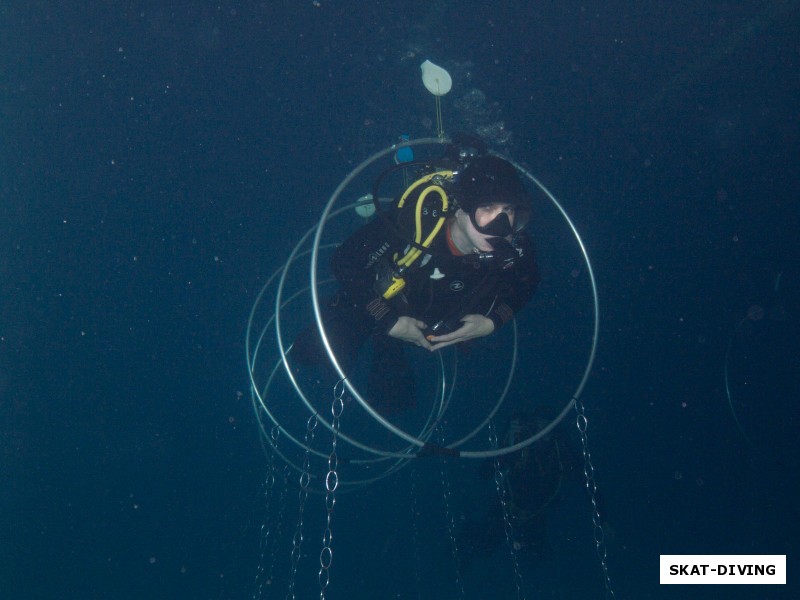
x: 156, y: 165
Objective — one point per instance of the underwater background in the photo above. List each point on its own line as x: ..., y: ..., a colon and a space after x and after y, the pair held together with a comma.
x: 159, y: 162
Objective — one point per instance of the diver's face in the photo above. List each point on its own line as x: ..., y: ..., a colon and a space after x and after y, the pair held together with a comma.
x: 484, y: 215
x: 467, y: 238
x: 489, y: 212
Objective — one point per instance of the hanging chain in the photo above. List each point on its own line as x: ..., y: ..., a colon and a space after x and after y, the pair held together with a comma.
x: 451, y: 527
x: 591, y: 487
x: 282, y: 500
x: 266, y: 538
x: 331, y: 485
x: 508, y: 527
x: 305, y: 478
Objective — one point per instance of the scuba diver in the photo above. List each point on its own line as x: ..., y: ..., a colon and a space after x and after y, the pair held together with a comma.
x: 535, y: 480
x: 450, y: 262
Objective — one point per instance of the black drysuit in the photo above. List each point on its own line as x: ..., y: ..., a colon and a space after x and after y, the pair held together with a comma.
x: 440, y: 286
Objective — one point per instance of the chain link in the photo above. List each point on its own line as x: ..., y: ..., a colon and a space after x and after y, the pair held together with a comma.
x: 282, y: 501
x: 302, y: 495
x: 508, y: 526
x: 331, y: 485
x: 451, y: 527
x: 267, y: 540
x: 591, y: 487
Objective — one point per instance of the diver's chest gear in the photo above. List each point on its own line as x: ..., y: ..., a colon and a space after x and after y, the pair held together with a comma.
x: 391, y: 280
x: 425, y: 203
x: 503, y: 255
x: 425, y: 206
x: 447, y: 287
x: 479, y: 296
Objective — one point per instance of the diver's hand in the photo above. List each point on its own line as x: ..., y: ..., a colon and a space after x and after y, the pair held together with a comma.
x: 474, y: 326
x: 410, y: 330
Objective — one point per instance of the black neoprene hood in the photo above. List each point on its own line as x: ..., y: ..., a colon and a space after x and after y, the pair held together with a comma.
x: 488, y: 180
